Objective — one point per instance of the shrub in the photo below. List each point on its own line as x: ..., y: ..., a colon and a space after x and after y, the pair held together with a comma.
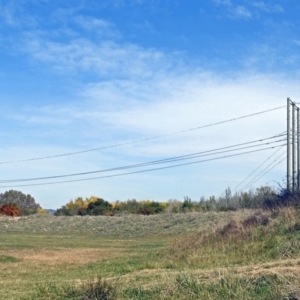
x: 26, y: 203
x: 11, y: 210
x: 42, y: 211
x: 90, y: 289
x: 148, y: 207
x: 75, y: 207
x: 255, y: 220
x: 174, y: 206
x: 145, y: 207
x: 100, y: 207
x: 187, y: 204
x: 231, y: 228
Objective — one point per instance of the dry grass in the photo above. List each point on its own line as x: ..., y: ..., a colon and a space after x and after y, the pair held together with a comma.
x: 286, y: 268
x: 156, y: 257
x: 63, y: 256
x: 121, y: 226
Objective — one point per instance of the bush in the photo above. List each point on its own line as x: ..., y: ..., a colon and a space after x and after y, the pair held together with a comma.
x: 75, y: 207
x: 26, y: 203
x: 256, y: 220
x: 131, y: 206
x: 100, y: 207
x: 98, y: 289
x: 145, y: 207
x: 149, y: 208
x: 11, y: 210
x: 173, y: 206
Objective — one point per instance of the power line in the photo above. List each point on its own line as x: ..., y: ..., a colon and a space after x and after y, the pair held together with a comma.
x: 263, y: 172
x: 141, y: 140
x: 256, y: 169
x: 269, y: 170
x: 143, y: 171
x: 167, y: 160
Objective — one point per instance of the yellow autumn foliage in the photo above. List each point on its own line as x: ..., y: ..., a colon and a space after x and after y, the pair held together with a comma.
x: 42, y: 211
x: 80, y: 203
x: 116, y: 204
x: 162, y: 205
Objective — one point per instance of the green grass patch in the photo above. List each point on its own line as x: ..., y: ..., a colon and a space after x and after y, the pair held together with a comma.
x: 188, y: 287
x: 235, y: 244
x: 226, y: 255
x: 8, y: 259
x: 89, y: 289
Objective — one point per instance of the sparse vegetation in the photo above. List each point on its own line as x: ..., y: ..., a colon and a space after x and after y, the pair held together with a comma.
x: 263, y: 197
x: 220, y: 253
x: 89, y: 289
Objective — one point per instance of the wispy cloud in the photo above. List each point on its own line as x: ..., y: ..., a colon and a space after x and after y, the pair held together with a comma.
x: 168, y: 103
x: 234, y: 11
x: 248, y: 10
x: 104, y: 57
x: 297, y: 42
x: 223, y: 2
x: 268, y: 8
x: 125, y: 91
x: 98, y: 26
x: 7, y: 13
x: 240, y: 12
x: 13, y: 14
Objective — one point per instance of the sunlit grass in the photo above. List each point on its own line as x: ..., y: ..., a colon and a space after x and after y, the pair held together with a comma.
x: 233, y: 255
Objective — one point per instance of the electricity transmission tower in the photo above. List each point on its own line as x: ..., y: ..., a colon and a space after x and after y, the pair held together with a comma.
x: 293, y: 146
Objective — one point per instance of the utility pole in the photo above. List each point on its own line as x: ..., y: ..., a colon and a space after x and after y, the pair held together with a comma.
x: 293, y: 147
x: 294, y: 150
x: 288, y: 175
x: 298, y: 149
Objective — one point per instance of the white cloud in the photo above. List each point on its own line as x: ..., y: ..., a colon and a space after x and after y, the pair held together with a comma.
x: 223, y: 2
x: 14, y: 16
x: 240, y: 12
x: 104, y: 57
x: 265, y: 56
x: 297, y: 42
x: 92, y: 23
x: 245, y: 12
x: 268, y: 8
x: 234, y: 11
x: 98, y: 27
x: 174, y: 102
x: 7, y: 13
x: 117, y: 111
x: 138, y: 93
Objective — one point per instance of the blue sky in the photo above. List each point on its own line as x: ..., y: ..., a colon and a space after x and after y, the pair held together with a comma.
x: 77, y: 75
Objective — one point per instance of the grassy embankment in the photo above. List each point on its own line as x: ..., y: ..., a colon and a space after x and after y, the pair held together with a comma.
x: 224, y: 255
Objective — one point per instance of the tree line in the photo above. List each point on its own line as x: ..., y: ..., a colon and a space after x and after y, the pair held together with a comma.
x: 15, y: 203
x: 263, y: 197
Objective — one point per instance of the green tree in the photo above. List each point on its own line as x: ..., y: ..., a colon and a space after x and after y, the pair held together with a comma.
x: 100, y: 207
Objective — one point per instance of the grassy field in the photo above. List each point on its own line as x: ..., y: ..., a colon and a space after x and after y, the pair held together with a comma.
x: 225, y: 255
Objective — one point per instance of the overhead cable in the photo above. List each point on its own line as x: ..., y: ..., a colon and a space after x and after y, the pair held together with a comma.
x: 143, y: 171
x: 265, y: 161
x: 141, y: 140
x: 262, y: 173
x: 269, y: 170
x: 161, y: 161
